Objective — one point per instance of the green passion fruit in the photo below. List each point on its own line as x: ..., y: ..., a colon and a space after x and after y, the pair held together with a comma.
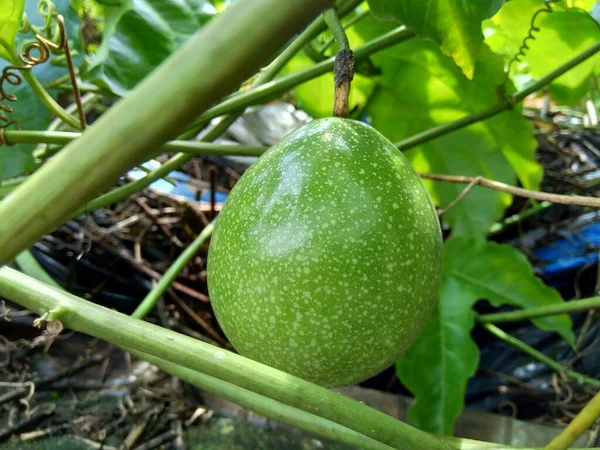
x: 325, y: 259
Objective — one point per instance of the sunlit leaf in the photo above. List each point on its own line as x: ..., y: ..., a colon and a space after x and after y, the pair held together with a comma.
x: 11, y: 14
x: 454, y: 24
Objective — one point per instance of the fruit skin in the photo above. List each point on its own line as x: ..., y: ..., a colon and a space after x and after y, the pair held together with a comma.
x: 325, y: 259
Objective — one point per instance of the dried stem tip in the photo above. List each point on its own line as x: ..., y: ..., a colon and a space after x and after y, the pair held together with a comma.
x: 343, y: 74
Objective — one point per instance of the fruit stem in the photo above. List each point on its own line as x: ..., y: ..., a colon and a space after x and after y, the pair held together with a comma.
x: 539, y: 356
x: 86, y: 317
x: 343, y: 67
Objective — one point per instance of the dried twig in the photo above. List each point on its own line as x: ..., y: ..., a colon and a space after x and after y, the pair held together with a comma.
x: 520, y: 192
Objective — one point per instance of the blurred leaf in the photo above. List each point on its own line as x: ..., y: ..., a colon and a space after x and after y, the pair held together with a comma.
x: 563, y: 34
x: 421, y: 88
x: 139, y: 35
x: 11, y: 14
x: 438, y: 365
x: 454, y: 24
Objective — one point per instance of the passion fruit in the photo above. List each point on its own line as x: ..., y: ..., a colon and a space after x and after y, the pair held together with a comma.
x: 325, y: 259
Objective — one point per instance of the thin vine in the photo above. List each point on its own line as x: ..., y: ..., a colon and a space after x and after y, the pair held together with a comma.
x: 52, y: 37
x: 531, y: 36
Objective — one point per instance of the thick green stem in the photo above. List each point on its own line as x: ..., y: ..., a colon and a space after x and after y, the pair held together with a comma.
x: 274, y: 89
x: 191, y: 147
x: 582, y: 422
x: 434, y: 133
x: 188, y: 82
x: 48, y: 101
x: 541, y: 311
x: 147, y: 305
x: 335, y: 26
x: 539, y: 356
x: 119, y: 329
x: 265, y: 406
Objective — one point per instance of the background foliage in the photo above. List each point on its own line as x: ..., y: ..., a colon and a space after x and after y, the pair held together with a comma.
x: 456, y: 66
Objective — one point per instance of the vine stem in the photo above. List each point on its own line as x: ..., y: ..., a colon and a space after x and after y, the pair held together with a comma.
x: 541, y: 311
x: 505, y: 105
x: 539, y: 356
x: 499, y: 186
x: 138, y: 124
x: 148, y: 303
x: 264, y: 405
x: 121, y: 330
x: 48, y: 101
x: 188, y: 147
x: 343, y: 67
x: 582, y: 422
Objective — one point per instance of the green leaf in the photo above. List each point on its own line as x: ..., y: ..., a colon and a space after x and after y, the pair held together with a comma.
x: 11, y: 14
x: 563, y: 34
x: 421, y: 88
x: 139, y: 35
x: 437, y: 367
x: 453, y: 24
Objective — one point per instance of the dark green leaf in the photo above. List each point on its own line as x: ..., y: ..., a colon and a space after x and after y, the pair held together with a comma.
x: 421, y: 88
x: 139, y: 35
x: 437, y: 367
x: 454, y: 24
x: 11, y: 14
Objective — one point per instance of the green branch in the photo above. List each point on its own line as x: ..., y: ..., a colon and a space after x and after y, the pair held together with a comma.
x: 188, y: 82
x: 86, y: 317
x: 147, y: 305
x: 191, y: 147
x: 582, y: 422
x: 441, y: 130
x: 352, y: 21
x: 541, y: 311
x: 539, y: 356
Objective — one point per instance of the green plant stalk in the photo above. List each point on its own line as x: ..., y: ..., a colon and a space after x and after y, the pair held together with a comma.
x: 191, y: 147
x: 31, y: 267
x: 121, y: 330
x: 6, y: 187
x: 147, y: 305
x: 265, y: 406
x: 582, y: 422
x: 275, y: 88
x: 519, y: 217
x: 539, y: 356
x: 144, y: 120
x: 441, y: 130
x: 352, y: 21
x: 311, y: 32
x: 541, y: 311
x: 48, y: 101
x: 333, y: 23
